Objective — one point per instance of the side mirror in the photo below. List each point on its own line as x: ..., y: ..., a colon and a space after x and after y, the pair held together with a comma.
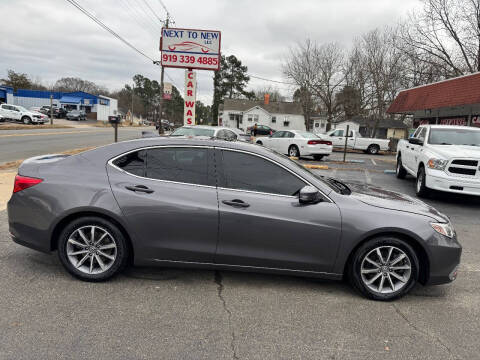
x: 309, y: 195
x: 415, y: 141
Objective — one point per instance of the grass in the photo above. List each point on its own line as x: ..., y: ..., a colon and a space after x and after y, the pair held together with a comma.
x: 15, y: 164
x: 107, y: 124
x: 23, y: 127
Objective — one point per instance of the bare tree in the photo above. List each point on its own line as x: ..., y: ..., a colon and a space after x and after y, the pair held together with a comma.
x: 318, y: 69
x: 446, y: 33
x: 274, y: 93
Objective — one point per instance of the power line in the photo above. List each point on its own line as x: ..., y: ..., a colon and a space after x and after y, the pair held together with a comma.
x: 270, y: 80
x: 166, y: 10
x: 100, y: 23
x: 153, y: 12
x: 147, y: 15
x: 138, y: 19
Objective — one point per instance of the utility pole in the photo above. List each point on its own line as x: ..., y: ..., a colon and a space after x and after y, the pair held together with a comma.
x: 160, y: 106
x: 51, y: 109
x: 131, y: 113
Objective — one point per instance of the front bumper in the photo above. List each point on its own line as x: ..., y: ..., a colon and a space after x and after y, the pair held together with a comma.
x: 440, y: 180
x: 444, y: 257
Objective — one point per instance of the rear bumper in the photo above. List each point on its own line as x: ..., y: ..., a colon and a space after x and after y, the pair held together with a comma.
x: 309, y: 150
x: 439, y: 180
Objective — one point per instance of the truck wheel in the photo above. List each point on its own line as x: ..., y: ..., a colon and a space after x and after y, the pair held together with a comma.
x: 26, y: 120
x: 400, y: 171
x: 421, y: 188
x: 373, y: 149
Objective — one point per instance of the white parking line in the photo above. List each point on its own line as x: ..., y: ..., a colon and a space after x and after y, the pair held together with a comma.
x: 373, y: 162
x: 367, y: 177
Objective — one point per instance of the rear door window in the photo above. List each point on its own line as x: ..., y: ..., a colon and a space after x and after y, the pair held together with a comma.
x: 133, y: 163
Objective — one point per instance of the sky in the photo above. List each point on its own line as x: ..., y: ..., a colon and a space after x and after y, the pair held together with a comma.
x: 50, y: 39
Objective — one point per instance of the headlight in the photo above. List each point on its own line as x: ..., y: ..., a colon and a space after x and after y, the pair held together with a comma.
x: 438, y: 164
x: 445, y: 229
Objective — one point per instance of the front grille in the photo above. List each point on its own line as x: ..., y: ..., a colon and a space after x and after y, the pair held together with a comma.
x: 462, y: 171
x: 465, y: 162
x: 465, y: 167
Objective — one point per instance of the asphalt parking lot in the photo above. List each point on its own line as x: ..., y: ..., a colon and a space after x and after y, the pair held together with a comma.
x: 154, y: 313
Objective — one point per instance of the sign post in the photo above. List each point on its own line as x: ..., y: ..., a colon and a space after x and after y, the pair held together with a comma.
x: 190, y: 97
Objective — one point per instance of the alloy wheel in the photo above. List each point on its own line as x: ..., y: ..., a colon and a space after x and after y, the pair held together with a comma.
x: 91, y: 249
x: 386, y: 269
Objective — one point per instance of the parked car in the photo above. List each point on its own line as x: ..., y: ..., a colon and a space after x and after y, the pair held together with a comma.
x: 218, y: 132
x: 2, y: 119
x: 19, y: 113
x: 261, y: 130
x: 297, y: 143
x: 442, y: 157
x: 60, y: 113
x: 35, y: 108
x: 357, y: 142
x: 76, y: 115
x: 178, y: 202
x: 45, y: 109
x: 241, y: 136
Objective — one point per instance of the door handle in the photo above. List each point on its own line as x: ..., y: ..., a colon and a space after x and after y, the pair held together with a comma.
x: 236, y: 203
x: 139, y: 188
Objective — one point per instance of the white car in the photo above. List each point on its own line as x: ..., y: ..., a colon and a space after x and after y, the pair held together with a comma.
x: 206, y: 131
x: 355, y: 141
x: 297, y: 143
x: 19, y: 113
x: 442, y: 157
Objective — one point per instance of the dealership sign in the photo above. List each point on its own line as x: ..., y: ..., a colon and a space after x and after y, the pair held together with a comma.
x: 190, y: 49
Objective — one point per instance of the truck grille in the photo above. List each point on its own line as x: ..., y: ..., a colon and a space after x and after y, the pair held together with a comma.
x: 463, y: 167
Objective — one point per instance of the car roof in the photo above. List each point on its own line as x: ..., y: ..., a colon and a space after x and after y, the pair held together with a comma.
x: 456, y: 127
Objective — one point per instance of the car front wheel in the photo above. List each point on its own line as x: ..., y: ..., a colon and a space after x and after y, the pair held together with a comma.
x: 384, y: 268
x: 92, y: 249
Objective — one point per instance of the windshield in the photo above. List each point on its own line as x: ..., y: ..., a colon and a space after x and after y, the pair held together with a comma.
x: 191, y: 131
x: 308, y: 135
x: 467, y: 136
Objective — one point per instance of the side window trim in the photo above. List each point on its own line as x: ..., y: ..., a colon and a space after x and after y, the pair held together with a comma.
x: 210, y: 150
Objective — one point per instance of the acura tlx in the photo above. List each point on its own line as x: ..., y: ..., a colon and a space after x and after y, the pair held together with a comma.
x: 212, y: 204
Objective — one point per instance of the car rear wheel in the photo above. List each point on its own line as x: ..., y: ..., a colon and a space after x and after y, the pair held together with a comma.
x: 92, y: 249
x: 373, y: 149
x: 421, y: 187
x: 384, y: 268
x: 293, y: 151
x: 400, y: 170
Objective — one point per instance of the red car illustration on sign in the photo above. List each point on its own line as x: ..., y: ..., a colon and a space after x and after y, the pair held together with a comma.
x: 189, y: 45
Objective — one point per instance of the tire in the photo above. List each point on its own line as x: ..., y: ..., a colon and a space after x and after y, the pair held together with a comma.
x: 318, y: 157
x: 400, y: 170
x: 293, y: 151
x: 26, y: 120
x: 259, y: 143
x: 114, y: 245
x: 373, y: 149
x: 420, y: 187
x: 380, y: 289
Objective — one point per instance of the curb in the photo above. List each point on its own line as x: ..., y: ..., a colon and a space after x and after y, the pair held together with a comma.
x: 319, y: 167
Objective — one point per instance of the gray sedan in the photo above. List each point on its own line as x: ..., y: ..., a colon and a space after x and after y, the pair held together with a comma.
x: 225, y: 205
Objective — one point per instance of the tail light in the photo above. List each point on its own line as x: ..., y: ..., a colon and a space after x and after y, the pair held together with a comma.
x: 24, y: 182
x: 319, y: 142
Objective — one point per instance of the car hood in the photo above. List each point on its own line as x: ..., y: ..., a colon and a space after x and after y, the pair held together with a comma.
x: 456, y: 151
x: 392, y: 200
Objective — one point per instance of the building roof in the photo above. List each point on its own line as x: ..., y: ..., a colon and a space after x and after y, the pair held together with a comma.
x: 463, y: 90
x: 70, y: 99
x: 274, y: 107
x: 382, y: 124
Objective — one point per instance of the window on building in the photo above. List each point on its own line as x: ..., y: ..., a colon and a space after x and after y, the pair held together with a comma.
x: 250, y: 118
x: 317, y: 124
x: 232, y: 117
x: 255, y: 118
x: 323, y: 124
x: 241, y: 119
x: 286, y: 123
x: 274, y: 119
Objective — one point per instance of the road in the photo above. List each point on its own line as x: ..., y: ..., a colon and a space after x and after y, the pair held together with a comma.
x: 152, y: 313
x: 21, y: 144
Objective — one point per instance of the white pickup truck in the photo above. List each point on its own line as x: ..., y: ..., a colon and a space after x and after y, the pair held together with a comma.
x: 442, y: 157
x: 19, y: 113
x: 356, y: 141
